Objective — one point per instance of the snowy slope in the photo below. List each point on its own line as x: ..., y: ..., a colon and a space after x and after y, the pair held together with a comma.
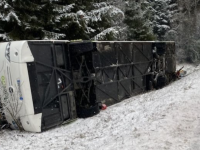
x: 159, y: 120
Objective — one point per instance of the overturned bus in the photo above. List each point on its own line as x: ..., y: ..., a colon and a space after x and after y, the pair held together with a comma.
x: 47, y: 83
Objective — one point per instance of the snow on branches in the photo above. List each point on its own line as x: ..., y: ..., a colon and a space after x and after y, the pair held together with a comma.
x: 110, y: 11
x: 52, y: 35
x: 115, y: 32
x: 86, y: 18
x: 8, y: 13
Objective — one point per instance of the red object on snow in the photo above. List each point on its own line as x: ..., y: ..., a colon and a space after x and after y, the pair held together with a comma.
x: 103, y: 106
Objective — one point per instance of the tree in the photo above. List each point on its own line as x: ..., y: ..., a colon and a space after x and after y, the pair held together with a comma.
x: 185, y: 30
x: 28, y: 20
x: 105, y: 20
x: 59, y: 19
x: 91, y: 20
x: 160, y: 17
x: 138, y: 27
x: 9, y: 20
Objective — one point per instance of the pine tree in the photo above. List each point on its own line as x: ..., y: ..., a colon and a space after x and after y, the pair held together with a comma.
x: 138, y: 27
x: 69, y: 21
x: 27, y: 20
x: 9, y: 20
x: 105, y: 19
x: 160, y: 17
x: 59, y: 19
x: 86, y: 20
x: 186, y: 30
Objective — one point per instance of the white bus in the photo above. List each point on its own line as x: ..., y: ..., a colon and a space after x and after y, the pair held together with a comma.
x: 47, y: 83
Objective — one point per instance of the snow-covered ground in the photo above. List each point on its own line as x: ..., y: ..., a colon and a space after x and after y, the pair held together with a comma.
x: 159, y: 120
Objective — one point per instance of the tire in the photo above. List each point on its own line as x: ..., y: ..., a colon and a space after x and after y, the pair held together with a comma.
x: 149, y: 82
x: 83, y: 112
x: 161, y: 82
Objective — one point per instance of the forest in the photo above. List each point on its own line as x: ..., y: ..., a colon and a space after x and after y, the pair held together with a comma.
x: 119, y: 20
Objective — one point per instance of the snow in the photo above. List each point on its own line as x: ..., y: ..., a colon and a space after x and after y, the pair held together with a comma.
x: 11, y: 15
x: 163, y: 119
x: 52, y: 35
x: 109, y: 11
x: 114, y: 31
x: 4, y: 36
x: 114, y: 15
x: 63, y: 9
x: 99, y: 5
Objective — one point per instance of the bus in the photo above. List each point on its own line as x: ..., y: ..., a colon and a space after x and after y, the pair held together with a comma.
x: 45, y: 83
